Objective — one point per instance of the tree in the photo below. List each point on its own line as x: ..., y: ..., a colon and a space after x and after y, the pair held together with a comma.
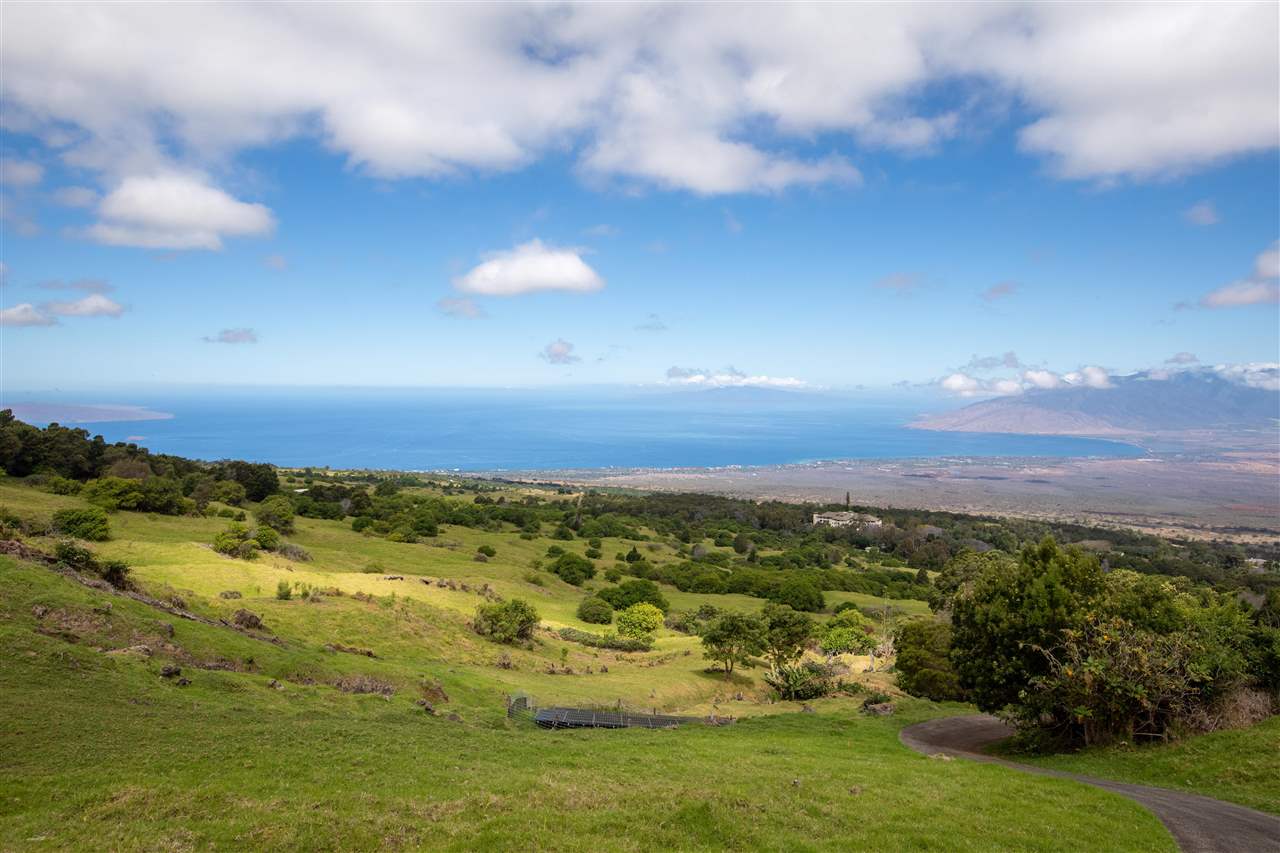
x: 846, y: 640
x: 277, y: 513
x: 639, y: 621
x: 506, y: 622
x: 1004, y: 618
x: 786, y: 633
x: 634, y: 592
x: 595, y: 610
x: 923, y: 664
x: 633, y: 556
x: 732, y: 638
x: 799, y: 594
x: 572, y: 568
x: 228, y: 492
x: 741, y: 543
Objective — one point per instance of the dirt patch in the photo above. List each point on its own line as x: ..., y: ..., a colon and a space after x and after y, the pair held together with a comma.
x: 364, y: 684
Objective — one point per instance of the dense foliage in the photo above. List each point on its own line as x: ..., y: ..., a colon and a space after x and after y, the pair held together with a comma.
x: 507, y: 621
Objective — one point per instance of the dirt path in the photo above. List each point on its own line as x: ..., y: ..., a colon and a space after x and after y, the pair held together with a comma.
x: 1198, y: 824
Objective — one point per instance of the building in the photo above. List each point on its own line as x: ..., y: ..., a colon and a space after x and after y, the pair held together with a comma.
x: 846, y: 519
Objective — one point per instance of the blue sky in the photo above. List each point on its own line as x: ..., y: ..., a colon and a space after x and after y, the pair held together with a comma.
x: 254, y: 231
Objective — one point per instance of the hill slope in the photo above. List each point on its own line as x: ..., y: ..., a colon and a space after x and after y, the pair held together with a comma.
x: 1190, y: 400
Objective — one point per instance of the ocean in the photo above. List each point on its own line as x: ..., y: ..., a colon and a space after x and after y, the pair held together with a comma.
x: 473, y: 430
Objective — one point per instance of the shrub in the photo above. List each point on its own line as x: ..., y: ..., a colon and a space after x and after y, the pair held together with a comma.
x: 801, y: 681
x: 924, y: 665
x: 63, y: 485
x: 639, y: 620
x: 506, y: 622
x: 534, y: 578
x: 229, y: 492
x: 572, y: 569
x: 294, y: 552
x: 487, y: 550
x: 845, y: 640
x: 595, y: 610
x: 284, y: 591
x: 607, y: 641
x: 635, y: 592
x: 267, y: 538
x: 277, y: 513
x: 89, y: 523
x: 236, y: 541
x: 594, y: 553
x: 114, y: 572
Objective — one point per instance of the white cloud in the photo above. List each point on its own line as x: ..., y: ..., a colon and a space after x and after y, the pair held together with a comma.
x: 962, y: 385
x: 1260, y: 374
x: 175, y: 211
x: 1043, y: 379
x: 25, y: 314
x: 459, y: 306
x: 20, y: 173
x: 529, y: 268
x: 233, y: 336
x: 1262, y: 288
x: 75, y: 196
x: 84, y: 285
x: 992, y: 362
x: 1183, y: 357
x: 1091, y: 376
x: 661, y: 94
x: 729, y: 377
x: 559, y: 351
x: 93, y: 305
x: 1202, y: 213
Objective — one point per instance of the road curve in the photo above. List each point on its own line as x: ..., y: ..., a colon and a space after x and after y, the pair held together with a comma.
x: 1198, y: 824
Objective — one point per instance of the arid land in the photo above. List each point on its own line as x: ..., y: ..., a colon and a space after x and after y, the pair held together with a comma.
x: 1228, y: 495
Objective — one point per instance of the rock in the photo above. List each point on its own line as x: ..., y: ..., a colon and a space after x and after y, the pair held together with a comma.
x: 247, y: 619
x: 166, y: 628
x: 426, y: 706
x: 39, y: 611
x: 275, y: 685
x: 855, y: 790
x: 795, y: 783
x: 883, y: 709
x: 170, y: 671
x: 140, y: 650
x: 453, y: 718
x: 183, y: 682
x: 229, y: 594
x: 393, y: 577
x: 806, y: 708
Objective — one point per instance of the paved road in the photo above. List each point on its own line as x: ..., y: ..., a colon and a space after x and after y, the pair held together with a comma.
x: 1198, y: 824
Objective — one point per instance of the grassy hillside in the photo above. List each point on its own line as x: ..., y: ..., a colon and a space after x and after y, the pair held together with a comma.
x: 269, y: 744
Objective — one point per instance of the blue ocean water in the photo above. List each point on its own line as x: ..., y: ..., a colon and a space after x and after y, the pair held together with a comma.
x: 524, y: 430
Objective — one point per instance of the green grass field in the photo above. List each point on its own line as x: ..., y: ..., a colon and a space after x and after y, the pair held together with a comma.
x: 266, y: 748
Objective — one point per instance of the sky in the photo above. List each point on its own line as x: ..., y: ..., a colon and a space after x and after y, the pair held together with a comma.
x: 973, y: 199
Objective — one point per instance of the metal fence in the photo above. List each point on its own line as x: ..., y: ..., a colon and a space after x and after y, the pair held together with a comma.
x: 556, y: 717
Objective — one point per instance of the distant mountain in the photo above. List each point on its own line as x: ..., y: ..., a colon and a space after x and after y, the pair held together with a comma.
x: 1188, y: 400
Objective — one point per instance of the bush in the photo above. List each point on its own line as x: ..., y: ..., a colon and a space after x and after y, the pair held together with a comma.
x: 506, y: 622
x: 595, y: 610
x: 845, y: 640
x: 801, y: 681
x: 236, y: 541
x: 294, y: 552
x: 487, y: 550
x: 607, y: 641
x: 267, y: 539
x: 594, y: 553
x: 114, y: 572
x: 63, y: 486
x: 732, y: 638
x: 635, y: 592
x: 284, y: 591
x: 639, y: 620
x: 534, y: 578
x: 799, y: 594
x: 277, y: 513
x: 924, y: 665
x: 572, y: 569
x: 89, y: 523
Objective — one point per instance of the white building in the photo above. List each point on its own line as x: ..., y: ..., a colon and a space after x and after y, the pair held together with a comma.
x: 846, y: 519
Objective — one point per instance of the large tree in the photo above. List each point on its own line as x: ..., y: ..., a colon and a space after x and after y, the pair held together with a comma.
x: 732, y: 638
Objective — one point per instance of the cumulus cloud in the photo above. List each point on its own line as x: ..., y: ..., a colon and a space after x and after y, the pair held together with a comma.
x: 1261, y: 288
x: 75, y: 196
x: 25, y: 314
x: 175, y: 211
x: 1042, y: 379
x: 1091, y: 376
x: 1000, y: 290
x: 1258, y: 374
x: 963, y: 385
x: 653, y: 323
x: 460, y: 306
x: 93, y: 305
x: 559, y: 351
x: 20, y: 173
x: 729, y: 377
x: 1202, y: 213
x: 659, y: 94
x: 1183, y: 357
x: 232, y: 336
x: 529, y: 268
